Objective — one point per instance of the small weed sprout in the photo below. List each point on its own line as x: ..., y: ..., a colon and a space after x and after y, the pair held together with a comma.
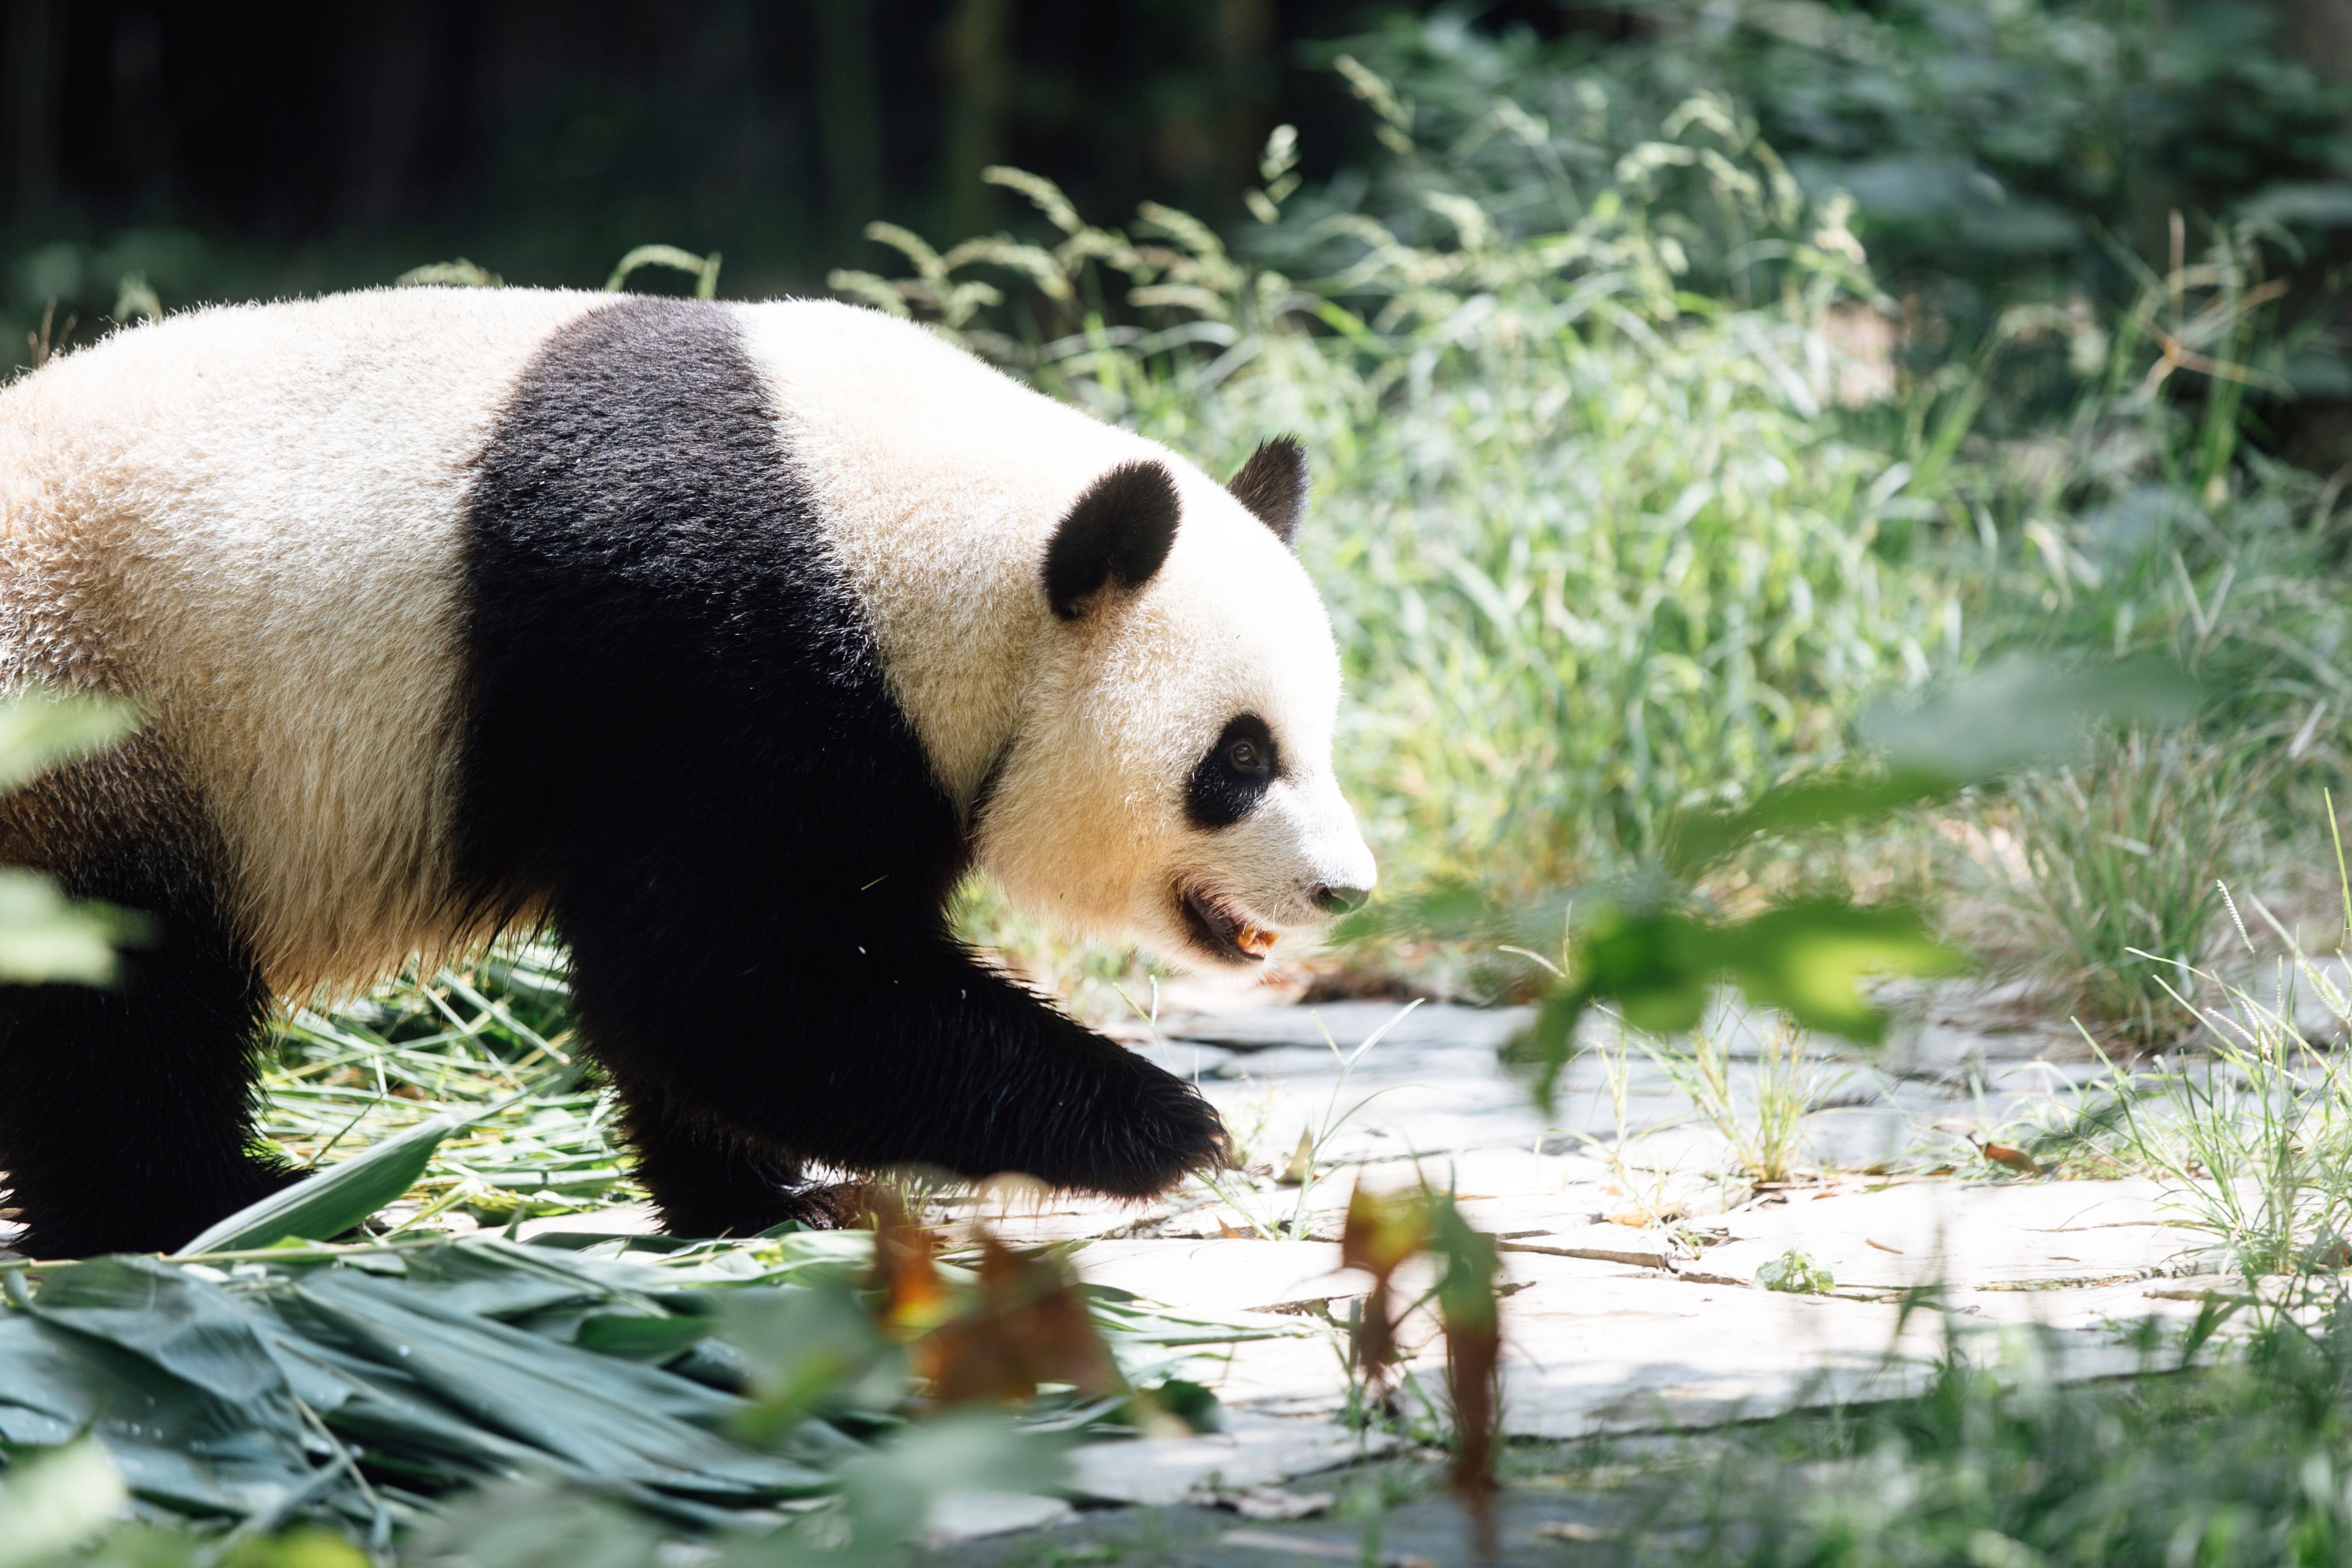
x: 1643, y: 1187
x: 1765, y: 1129
x: 1305, y: 1172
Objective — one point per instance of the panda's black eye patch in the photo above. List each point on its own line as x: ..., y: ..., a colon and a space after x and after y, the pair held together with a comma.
x: 1229, y: 780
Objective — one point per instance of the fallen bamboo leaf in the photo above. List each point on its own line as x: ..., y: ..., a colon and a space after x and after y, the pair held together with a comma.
x: 331, y: 1202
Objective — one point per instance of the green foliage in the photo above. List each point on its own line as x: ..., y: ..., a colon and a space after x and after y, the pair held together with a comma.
x: 44, y: 936
x: 2121, y: 863
x: 484, y: 1045
x: 328, y: 1203
x: 1797, y: 1274
x: 703, y: 269
x: 1657, y: 957
x: 1659, y: 968
x: 47, y: 938
x: 1992, y: 150
x: 362, y: 1386
x: 38, y: 730
x: 1765, y: 1134
x: 2248, y: 1121
x: 56, y: 1501
x: 2233, y: 1466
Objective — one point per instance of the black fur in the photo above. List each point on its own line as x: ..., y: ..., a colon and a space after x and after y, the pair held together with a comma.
x: 1119, y: 531
x: 1273, y: 485
x: 1232, y: 775
x: 126, y: 1113
x: 680, y: 737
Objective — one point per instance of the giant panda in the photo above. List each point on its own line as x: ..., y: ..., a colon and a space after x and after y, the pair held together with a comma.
x: 720, y: 640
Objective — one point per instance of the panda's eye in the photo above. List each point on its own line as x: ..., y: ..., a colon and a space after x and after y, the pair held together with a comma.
x: 1234, y: 774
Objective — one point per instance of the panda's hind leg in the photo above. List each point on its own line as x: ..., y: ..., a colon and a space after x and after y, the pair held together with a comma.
x: 126, y: 1112
x: 708, y: 1180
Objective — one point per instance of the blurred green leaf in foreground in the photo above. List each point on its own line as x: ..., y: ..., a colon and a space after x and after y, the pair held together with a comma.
x: 1656, y: 954
x: 45, y: 937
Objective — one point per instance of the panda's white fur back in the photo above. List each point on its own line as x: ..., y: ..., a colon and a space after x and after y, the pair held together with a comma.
x: 251, y: 517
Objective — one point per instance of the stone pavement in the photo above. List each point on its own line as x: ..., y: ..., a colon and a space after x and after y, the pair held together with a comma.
x: 1629, y: 1262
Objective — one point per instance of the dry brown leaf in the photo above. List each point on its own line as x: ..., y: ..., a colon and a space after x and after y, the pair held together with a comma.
x: 1301, y: 1169
x: 1029, y: 1326
x: 1381, y: 1234
x: 914, y: 1297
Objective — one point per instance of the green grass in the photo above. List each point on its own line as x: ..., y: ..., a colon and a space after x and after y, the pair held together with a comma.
x: 2120, y: 859
x: 1762, y: 1128
x: 2238, y: 1464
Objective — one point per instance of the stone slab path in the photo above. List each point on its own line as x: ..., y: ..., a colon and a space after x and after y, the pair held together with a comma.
x: 1630, y: 1247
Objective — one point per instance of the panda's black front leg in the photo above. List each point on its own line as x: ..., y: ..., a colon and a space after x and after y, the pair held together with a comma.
x: 866, y: 1048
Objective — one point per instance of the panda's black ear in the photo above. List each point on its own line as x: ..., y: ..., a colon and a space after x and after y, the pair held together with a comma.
x: 1273, y: 485
x: 1119, y: 531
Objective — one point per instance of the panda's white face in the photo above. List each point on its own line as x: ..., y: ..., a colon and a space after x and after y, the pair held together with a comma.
x: 1173, y: 777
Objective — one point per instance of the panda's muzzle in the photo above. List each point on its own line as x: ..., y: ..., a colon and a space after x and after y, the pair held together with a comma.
x: 1222, y: 930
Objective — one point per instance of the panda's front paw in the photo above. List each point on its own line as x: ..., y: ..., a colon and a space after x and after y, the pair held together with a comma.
x: 1146, y: 1134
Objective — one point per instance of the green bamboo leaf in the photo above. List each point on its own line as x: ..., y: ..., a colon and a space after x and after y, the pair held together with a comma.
x: 2017, y: 712
x: 47, y: 938
x: 1804, y: 959
x: 171, y: 1371
x: 1550, y: 1040
x: 1699, y: 839
x: 334, y: 1200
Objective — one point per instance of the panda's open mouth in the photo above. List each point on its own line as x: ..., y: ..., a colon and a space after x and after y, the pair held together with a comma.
x: 1224, y: 929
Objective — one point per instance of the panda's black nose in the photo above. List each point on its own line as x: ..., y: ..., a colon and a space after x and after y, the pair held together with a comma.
x: 1334, y: 900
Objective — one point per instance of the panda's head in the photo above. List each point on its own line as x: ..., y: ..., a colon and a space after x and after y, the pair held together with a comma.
x: 1170, y: 777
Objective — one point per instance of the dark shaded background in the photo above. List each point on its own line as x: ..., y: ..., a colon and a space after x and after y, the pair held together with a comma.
x: 240, y: 151
x: 544, y: 137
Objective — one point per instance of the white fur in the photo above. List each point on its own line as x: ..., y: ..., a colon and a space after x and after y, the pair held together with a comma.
x: 251, y: 517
